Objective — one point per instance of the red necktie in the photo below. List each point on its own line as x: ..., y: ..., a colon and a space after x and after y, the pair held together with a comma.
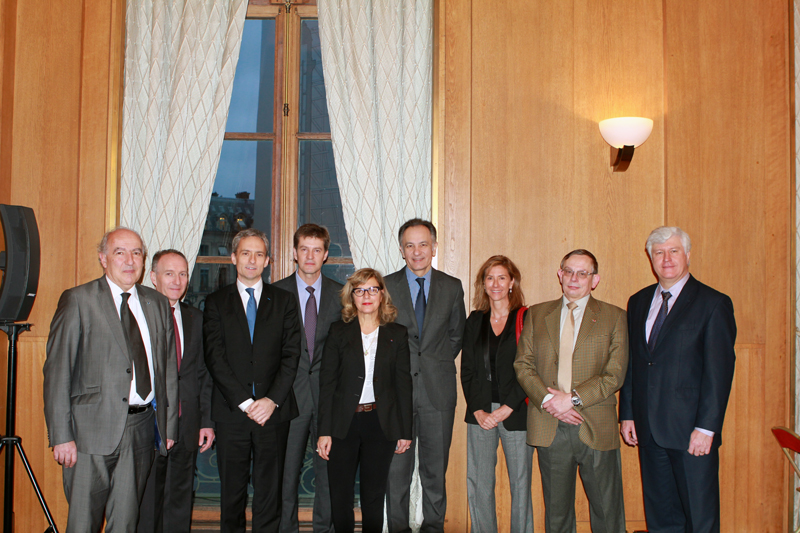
x: 177, y: 349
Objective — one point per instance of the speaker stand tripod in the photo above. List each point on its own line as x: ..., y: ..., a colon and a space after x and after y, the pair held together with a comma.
x: 10, y: 441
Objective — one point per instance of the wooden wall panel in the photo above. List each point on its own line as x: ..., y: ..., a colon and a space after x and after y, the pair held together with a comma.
x: 59, y: 123
x: 714, y: 76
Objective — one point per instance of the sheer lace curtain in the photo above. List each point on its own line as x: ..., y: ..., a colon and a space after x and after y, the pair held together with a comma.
x: 180, y: 59
x: 377, y: 59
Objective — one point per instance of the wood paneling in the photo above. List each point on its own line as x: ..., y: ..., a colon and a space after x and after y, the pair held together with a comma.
x: 526, y: 87
x: 59, y: 133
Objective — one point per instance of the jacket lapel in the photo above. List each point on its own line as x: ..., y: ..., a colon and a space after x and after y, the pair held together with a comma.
x: 152, y: 325
x: 553, y: 323
x: 590, y: 315
x: 682, y: 303
x: 236, y: 309
x: 403, y: 298
x: 327, y: 303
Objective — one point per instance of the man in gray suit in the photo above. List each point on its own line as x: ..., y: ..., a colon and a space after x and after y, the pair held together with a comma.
x: 110, y: 356
x: 320, y: 305
x: 431, y: 305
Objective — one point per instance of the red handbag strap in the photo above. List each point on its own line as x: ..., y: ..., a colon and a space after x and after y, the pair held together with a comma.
x: 520, y: 321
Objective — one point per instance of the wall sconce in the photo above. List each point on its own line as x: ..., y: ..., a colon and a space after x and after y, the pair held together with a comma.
x: 624, y: 134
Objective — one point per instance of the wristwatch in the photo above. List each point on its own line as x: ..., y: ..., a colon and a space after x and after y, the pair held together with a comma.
x: 576, y: 400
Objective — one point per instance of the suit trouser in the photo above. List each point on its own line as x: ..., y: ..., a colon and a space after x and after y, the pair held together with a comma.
x: 299, y: 430
x: 167, y: 501
x: 236, y: 442
x: 481, y: 463
x: 365, y: 444
x: 111, y: 484
x: 601, y: 473
x: 432, y: 433
x: 681, y: 491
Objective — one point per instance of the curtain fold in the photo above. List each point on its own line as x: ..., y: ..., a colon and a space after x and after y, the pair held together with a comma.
x: 377, y: 59
x: 180, y: 60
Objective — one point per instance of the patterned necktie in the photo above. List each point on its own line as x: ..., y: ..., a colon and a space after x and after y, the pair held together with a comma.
x: 419, y: 306
x: 136, y: 348
x: 662, y: 316
x: 311, y: 322
x: 565, y: 350
x: 178, y: 350
x: 251, y: 311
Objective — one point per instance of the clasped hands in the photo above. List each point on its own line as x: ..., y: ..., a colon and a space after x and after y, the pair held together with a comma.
x: 560, y: 406
x: 260, y: 410
x: 490, y: 420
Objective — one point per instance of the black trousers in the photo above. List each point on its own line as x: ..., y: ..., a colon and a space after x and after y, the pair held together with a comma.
x: 681, y: 491
x: 235, y: 443
x: 166, y: 505
x: 366, y: 445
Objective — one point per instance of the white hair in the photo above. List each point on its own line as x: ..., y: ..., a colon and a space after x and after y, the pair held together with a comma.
x: 665, y: 233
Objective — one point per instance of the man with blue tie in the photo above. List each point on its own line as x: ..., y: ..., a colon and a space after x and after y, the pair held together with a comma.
x: 251, y: 335
x: 673, y: 402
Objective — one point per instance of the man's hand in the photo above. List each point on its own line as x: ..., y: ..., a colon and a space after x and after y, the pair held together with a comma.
x: 628, y: 432
x: 700, y: 443
x: 560, y: 406
x: 402, y: 446
x: 65, y: 454
x: 324, y: 446
x: 206, y: 439
x: 170, y: 444
x: 485, y: 420
x: 260, y: 411
x: 501, y: 413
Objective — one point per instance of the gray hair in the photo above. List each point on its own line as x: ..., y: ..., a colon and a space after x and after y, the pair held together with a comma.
x: 249, y: 232
x: 665, y: 233
x: 102, y: 246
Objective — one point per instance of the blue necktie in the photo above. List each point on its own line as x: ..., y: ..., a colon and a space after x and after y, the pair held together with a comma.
x: 251, y: 311
x: 419, y: 306
x: 660, y: 318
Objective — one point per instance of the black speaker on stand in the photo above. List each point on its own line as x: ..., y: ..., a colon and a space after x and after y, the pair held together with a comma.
x: 20, y: 265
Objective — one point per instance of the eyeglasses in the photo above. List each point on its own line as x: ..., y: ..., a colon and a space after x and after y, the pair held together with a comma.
x: 582, y: 274
x: 373, y: 291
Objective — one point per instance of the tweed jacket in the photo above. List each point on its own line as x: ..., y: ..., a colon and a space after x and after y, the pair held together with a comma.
x: 599, y: 364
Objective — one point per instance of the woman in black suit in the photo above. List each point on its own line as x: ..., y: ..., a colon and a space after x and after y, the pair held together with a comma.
x: 496, y: 407
x: 365, y: 402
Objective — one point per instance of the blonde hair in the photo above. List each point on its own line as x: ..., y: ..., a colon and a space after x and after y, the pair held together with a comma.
x: 387, y: 312
x: 515, y: 299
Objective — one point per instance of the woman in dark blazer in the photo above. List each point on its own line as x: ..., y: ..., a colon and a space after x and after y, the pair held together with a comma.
x: 496, y: 407
x: 365, y: 402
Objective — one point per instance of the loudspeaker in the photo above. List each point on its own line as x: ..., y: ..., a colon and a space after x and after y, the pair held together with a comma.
x: 19, y: 262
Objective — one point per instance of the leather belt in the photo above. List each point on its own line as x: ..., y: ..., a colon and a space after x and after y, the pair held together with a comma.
x: 366, y: 407
x: 136, y: 409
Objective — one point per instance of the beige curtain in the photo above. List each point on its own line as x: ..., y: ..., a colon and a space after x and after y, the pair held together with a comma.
x: 180, y: 59
x: 377, y: 59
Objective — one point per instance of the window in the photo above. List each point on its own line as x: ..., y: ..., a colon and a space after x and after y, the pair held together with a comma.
x: 276, y: 167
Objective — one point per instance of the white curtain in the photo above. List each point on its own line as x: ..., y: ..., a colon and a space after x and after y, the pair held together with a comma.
x: 180, y: 59
x: 377, y: 59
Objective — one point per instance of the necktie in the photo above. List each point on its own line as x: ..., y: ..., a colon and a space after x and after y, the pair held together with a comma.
x: 136, y: 348
x: 311, y: 322
x: 565, y: 350
x: 660, y: 318
x: 251, y: 311
x: 177, y: 349
x: 419, y: 306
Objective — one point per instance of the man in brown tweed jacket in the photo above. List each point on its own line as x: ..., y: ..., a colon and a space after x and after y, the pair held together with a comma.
x: 571, y: 359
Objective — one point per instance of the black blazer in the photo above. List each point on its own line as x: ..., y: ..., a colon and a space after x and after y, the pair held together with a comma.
x: 235, y: 364
x: 306, y: 383
x: 686, y: 380
x: 342, y: 379
x: 474, y: 360
x: 194, y: 382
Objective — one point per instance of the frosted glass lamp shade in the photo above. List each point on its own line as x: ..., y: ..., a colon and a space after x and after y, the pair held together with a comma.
x: 626, y: 131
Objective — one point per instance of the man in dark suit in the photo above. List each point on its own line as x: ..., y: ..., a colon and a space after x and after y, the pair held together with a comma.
x: 109, y: 356
x: 320, y: 305
x: 167, y: 501
x: 431, y: 305
x: 682, y: 336
x: 251, y: 336
x: 571, y: 360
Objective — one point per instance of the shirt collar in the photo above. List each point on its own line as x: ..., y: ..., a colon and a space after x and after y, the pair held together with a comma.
x: 412, y: 278
x: 675, y: 290
x: 581, y: 303
x: 242, y: 288
x: 301, y: 284
x: 116, y: 290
